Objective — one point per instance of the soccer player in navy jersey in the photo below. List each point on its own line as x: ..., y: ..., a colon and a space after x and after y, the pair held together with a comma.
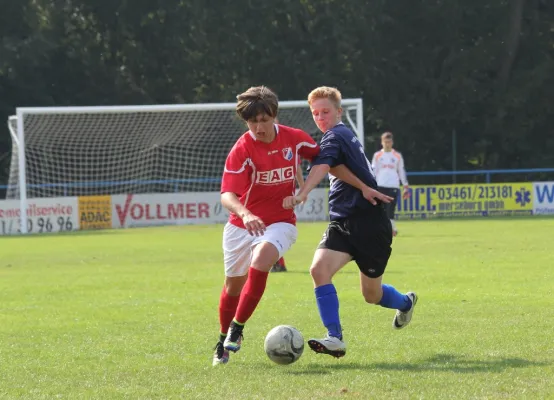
x: 359, y: 229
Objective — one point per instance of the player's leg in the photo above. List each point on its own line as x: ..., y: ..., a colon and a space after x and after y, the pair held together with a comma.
x: 236, y: 255
x: 375, y: 292
x: 277, y: 239
x: 372, y: 252
x: 228, y: 302
x: 331, y: 255
x: 264, y: 256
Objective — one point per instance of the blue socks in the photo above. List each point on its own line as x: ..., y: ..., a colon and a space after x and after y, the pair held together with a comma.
x: 328, y: 305
x: 392, y: 298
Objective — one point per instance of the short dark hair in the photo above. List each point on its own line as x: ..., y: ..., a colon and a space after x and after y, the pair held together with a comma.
x: 386, y: 135
x: 257, y: 100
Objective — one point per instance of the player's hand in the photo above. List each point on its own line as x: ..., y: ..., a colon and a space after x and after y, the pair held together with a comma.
x: 407, y: 192
x: 254, y: 225
x: 373, y: 195
x: 292, y: 201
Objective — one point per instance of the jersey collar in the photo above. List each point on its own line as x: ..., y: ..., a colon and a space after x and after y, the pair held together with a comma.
x: 338, y: 124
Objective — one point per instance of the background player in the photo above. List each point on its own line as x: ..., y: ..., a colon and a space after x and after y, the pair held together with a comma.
x: 359, y: 229
x: 388, y: 165
x: 259, y: 173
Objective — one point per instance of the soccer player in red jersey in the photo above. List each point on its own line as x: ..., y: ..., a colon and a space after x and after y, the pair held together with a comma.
x: 259, y: 173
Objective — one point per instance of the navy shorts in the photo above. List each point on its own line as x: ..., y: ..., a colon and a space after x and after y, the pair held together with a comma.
x: 366, y: 236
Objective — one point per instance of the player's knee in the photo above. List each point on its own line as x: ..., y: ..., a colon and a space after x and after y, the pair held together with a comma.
x: 372, y: 296
x: 264, y: 256
x: 262, y: 263
x: 320, y: 274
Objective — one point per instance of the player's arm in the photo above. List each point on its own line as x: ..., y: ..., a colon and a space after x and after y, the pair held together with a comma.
x: 316, y: 175
x: 236, y: 179
x: 344, y: 174
x: 299, y: 177
x: 308, y: 149
x: 318, y: 172
x: 329, y: 156
x: 403, y: 177
x: 254, y: 225
x: 232, y: 203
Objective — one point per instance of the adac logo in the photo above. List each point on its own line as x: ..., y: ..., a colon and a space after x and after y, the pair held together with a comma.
x: 287, y: 153
x: 523, y: 197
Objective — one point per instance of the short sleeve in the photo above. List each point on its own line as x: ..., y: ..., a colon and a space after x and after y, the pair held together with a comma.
x: 308, y: 148
x: 330, y: 151
x: 237, y: 173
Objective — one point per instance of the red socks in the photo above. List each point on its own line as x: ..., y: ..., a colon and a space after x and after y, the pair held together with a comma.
x: 227, y: 308
x: 251, y: 294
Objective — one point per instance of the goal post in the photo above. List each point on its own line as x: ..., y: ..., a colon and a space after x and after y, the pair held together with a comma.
x: 113, y: 150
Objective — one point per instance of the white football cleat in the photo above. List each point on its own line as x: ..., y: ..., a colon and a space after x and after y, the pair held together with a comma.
x: 329, y: 345
x: 403, y: 318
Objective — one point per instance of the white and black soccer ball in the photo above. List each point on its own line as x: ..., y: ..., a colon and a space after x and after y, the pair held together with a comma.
x: 284, y: 344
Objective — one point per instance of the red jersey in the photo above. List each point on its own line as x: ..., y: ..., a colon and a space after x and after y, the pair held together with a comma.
x: 262, y: 174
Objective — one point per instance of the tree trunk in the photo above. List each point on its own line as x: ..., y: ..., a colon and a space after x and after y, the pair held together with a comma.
x: 512, y: 42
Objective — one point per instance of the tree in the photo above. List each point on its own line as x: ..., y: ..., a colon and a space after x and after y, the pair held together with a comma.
x: 424, y: 69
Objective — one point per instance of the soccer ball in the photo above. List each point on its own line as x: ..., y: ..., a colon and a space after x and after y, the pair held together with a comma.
x: 284, y: 344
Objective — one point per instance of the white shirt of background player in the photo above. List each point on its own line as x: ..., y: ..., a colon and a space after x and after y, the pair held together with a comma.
x: 388, y: 166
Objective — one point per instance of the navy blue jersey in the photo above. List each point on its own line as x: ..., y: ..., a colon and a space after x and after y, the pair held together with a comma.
x: 340, y: 146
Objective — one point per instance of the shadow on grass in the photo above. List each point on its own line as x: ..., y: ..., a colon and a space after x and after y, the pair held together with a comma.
x: 439, y: 362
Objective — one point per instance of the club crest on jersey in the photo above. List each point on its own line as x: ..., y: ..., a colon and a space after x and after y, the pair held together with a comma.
x: 287, y: 153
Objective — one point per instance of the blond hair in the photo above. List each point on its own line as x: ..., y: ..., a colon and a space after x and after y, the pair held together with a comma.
x: 325, y: 92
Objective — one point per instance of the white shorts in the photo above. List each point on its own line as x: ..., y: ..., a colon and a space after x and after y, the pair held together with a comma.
x: 238, y: 245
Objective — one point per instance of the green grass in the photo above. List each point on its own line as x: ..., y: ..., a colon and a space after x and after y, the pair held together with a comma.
x: 133, y: 314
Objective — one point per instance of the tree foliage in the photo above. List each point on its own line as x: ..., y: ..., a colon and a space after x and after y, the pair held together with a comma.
x: 425, y: 69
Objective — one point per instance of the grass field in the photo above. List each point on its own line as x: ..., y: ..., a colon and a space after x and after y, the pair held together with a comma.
x: 133, y: 314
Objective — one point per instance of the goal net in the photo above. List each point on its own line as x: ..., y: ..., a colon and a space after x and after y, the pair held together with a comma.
x: 85, y: 151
